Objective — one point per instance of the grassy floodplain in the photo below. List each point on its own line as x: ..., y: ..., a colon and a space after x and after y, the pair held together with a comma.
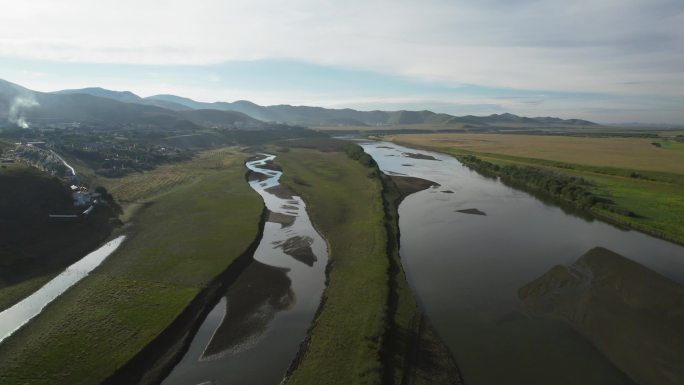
x: 633, y: 172
x: 369, y: 329
x: 346, y: 206
x: 198, y: 218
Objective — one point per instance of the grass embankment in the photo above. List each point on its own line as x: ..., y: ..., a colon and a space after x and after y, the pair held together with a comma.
x: 367, y: 299
x: 413, y: 353
x: 632, y: 173
x: 176, y: 247
x: 34, y: 251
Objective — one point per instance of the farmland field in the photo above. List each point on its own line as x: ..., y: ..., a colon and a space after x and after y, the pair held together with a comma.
x: 626, y: 153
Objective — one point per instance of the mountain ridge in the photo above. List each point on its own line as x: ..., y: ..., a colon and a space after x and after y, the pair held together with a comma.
x: 90, y: 104
x: 312, y: 115
x: 106, y: 108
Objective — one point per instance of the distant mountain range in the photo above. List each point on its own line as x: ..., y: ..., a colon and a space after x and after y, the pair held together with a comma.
x: 105, y: 107
x: 318, y: 116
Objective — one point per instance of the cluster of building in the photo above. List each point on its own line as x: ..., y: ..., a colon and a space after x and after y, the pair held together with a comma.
x: 83, y: 200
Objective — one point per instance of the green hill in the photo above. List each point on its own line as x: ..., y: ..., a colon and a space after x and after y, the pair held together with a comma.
x: 32, y: 248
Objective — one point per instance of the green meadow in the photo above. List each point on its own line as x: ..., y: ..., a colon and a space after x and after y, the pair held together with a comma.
x: 178, y: 241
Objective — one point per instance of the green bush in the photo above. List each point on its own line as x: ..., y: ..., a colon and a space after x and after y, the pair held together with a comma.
x: 574, y: 190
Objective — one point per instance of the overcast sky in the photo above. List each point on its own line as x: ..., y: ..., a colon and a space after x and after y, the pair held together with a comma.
x: 605, y: 60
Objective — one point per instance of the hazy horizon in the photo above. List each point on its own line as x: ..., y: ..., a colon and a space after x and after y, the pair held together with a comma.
x: 609, y: 62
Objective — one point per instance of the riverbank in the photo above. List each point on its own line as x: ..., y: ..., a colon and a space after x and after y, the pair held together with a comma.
x: 156, y: 275
x: 367, y: 328
x: 413, y: 353
x: 654, y: 196
x: 156, y: 360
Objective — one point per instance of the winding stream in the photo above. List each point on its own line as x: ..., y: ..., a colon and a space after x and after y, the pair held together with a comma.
x: 469, y: 245
x: 254, y: 331
x: 13, y: 318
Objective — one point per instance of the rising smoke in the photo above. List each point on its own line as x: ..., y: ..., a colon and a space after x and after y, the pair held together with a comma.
x: 18, y: 107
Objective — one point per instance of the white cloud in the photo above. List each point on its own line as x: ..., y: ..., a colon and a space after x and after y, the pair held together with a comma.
x: 620, y: 46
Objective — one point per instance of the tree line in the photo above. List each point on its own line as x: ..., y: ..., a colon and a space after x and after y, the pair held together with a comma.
x: 574, y: 190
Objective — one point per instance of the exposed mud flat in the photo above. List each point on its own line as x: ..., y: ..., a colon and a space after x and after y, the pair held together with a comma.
x: 415, y: 155
x: 256, y: 177
x: 299, y: 248
x: 260, y: 293
x: 280, y: 191
x: 407, y: 185
x: 472, y: 212
x: 632, y: 314
x: 283, y: 219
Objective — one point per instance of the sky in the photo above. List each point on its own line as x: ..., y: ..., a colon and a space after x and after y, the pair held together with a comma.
x: 611, y: 61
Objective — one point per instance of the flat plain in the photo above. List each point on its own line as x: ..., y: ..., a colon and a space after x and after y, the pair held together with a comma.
x: 626, y: 153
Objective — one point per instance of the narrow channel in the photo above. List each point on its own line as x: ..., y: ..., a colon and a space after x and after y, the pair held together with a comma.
x: 13, y: 318
x: 468, y: 246
x: 253, y: 333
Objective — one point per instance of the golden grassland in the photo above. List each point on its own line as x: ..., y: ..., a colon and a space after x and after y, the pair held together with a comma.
x: 627, y: 153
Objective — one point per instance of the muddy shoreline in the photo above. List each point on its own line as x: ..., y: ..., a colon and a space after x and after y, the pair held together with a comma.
x: 427, y: 360
x: 287, y: 192
x: 153, y: 363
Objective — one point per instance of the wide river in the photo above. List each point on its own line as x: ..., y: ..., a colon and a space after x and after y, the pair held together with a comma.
x: 254, y: 331
x: 466, y: 269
